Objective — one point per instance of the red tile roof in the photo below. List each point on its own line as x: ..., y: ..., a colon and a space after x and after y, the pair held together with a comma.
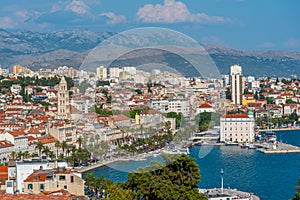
x: 37, y: 176
x: 205, y: 105
x: 150, y: 112
x: 237, y: 115
x: 34, y: 197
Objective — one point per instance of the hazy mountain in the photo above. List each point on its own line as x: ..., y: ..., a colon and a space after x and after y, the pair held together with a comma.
x: 50, y: 50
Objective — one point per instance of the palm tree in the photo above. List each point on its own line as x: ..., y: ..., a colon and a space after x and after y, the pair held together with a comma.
x: 57, y: 146
x: 97, y: 138
x: 26, y: 154
x: 79, y: 141
x: 39, y: 146
x: 46, y: 150
x: 64, y: 146
x: 13, y: 155
x: 19, y: 155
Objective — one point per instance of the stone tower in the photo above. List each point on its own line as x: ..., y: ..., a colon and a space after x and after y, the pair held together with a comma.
x: 63, y: 107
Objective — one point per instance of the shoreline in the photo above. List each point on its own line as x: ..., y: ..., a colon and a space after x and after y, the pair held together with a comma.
x: 279, y: 129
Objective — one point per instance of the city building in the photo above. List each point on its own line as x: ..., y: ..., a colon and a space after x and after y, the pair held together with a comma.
x: 51, y: 180
x: 101, y: 72
x: 236, y: 84
x: 63, y: 108
x: 18, y: 69
x: 237, y: 127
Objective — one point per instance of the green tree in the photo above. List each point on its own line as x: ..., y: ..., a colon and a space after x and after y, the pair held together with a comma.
x: 297, y: 194
x: 57, y: 146
x: 293, y: 116
x: 177, y: 178
x: 79, y: 142
x: 40, y: 147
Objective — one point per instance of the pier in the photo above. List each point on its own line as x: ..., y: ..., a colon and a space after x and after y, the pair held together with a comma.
x: 278, y: 148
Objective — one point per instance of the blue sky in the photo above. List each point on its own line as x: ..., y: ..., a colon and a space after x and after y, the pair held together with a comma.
x: 238, y: 24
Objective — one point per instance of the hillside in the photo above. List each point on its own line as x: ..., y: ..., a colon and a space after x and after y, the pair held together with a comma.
x: 49, y: 50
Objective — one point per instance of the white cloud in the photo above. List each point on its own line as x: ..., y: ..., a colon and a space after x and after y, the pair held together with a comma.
x: 173, y: 11
x: 7, y: 23
x: 78, y: 7
x: 292, y: 43
x: 113, y: 18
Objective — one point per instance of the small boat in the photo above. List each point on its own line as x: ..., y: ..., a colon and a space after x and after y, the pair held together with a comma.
x: 231, y: 143
x: 270, y: 136
x: 203, y: 143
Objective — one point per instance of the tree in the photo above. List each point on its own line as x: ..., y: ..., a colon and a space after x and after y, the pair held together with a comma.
x: 13, y: 155
x: 293, y: 116
x: 57, y: 146
x: 39, y: 146
x: 297, y: 194
x: 64, y: 146
x: 177, y: 178
x: 79, y: 142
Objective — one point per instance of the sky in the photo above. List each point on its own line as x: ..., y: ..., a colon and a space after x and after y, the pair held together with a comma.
x: 237, y: 24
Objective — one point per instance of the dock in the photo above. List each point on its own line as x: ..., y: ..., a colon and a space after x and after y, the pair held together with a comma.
x: 278, y: 148
x: 217, y: 193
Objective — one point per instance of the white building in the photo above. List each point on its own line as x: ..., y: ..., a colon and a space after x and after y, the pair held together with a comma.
x: 18, y: 138
x: 114, y: 72
x: 171, y: 105
x: 25, y: 168
x: 236, y: 84
x: 101, y: 72
x: 237, y: 128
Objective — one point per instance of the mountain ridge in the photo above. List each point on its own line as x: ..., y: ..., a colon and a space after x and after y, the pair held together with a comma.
x: 69, y: 47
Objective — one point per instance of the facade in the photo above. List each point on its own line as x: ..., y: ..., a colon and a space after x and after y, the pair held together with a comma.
x: 18, y: 138
x: 237, y: 128
x: 150, y: 117
x: 6, y: 148
x: 171, y: 105
x: 63, y: 109
x: 101, y: 72
x: 51, y: 180
x: 236, y: 84
x: 63, y: 132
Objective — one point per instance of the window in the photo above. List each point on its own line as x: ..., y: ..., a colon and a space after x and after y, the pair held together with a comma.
x: 65, y: 187
x: 41, y: 187
x: 30, y: 187
x: 62, y: 178
x: 72, y: 179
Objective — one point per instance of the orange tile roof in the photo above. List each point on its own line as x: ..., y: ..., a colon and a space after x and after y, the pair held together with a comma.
x: 36, y: 176
x: 205, y: 105
x: 17, y: 133
x: 47, y: 139
x: 119, y: 117
x: 34, y: 197
x: 237, y: 115
x: 5, y: 143
x: 150, y: 112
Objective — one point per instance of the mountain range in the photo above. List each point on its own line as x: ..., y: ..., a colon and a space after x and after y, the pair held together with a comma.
x: 69, y: 48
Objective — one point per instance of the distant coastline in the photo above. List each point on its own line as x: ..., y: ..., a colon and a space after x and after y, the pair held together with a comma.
x: 280, y: 129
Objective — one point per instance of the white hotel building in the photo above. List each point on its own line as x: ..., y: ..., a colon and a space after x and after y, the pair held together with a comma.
x: 237, y: 128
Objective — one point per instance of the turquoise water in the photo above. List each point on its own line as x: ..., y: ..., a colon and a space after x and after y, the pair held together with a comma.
x: 272, y: 177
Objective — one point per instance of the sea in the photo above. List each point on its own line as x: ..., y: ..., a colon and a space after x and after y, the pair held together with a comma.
x: 270, y: 176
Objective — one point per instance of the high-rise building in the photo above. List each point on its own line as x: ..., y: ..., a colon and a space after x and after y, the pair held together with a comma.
x: 63, y: 108
x: 101, y: 72
x: 236, y: 84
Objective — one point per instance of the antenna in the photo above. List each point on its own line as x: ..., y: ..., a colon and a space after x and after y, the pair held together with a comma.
x: 222, y: 182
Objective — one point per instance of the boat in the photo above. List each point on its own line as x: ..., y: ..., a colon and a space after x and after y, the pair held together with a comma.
x: 229, y: 143
x: 177, y: 151
x: 203, y: 143
x: 271, y: 136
